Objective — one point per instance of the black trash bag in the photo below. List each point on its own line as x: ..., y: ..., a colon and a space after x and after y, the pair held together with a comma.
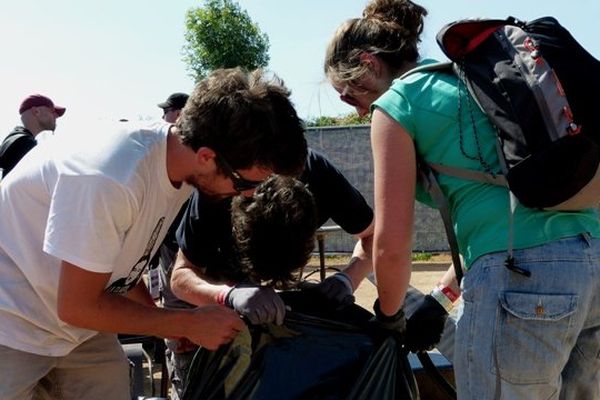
x: 320, y: 352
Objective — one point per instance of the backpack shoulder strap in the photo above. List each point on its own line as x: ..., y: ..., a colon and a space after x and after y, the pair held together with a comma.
x: 470, y: 174
x: 433, y: 67
x: 8, y: 158
x: 430, y: 184
x: 10, y: 139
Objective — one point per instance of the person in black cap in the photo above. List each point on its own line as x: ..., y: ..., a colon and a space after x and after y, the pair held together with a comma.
x: 172, y: 106
x: 38, y: 113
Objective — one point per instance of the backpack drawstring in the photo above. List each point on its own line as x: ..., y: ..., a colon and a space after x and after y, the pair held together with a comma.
x: 512, y: 207
x: 510, y: 260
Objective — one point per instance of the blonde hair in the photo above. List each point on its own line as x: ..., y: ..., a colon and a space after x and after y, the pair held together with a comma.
x: 389, y: 29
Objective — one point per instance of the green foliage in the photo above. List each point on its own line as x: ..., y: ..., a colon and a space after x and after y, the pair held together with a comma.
x: 222, y: 35
x: 347, y: 119
x: 421, y: 256
x: 343, y: 259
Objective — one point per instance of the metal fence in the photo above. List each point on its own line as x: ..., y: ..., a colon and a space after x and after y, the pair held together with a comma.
x: 349, y: 149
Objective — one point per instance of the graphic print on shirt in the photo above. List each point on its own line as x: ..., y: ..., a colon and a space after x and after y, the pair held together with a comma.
x: 123, y: 285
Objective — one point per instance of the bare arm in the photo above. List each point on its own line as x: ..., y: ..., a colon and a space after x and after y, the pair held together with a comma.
x: 141, y: 294
x: 449, y: 280
x: 258, y: 304
x: 395, y: 179
x: 360, y: 264
x: 190, y: 285
x: 83, y: 302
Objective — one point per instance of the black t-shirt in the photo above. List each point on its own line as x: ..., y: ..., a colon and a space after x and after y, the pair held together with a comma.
x: 18, y: 143
x: 204, y: 235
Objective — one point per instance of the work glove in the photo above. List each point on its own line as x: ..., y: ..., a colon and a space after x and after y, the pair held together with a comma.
x: 260, y: 305
x: 425, y: 326
x: 336, y: 288
x: 389, y: 325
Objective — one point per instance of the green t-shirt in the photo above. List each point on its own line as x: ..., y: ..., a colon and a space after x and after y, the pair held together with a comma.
x: 427, y: 105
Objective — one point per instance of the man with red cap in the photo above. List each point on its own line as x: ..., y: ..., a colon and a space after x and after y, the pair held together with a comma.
x: 38, y: 113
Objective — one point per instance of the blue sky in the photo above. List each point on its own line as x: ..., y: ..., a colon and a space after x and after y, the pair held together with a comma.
x: 118, y: 58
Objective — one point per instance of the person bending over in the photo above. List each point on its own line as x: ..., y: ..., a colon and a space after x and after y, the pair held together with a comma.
x: 270, y: 238
x: 519, y: 336
x: 83, y: 214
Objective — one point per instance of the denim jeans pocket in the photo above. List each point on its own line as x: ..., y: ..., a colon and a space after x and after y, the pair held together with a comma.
x: 531, y: 336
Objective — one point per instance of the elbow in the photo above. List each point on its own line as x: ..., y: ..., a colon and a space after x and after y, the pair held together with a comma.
x: 392, y: 260
x: 69, y: 313
x: 64, y: 313
x: 177, y: 286
x: 79, y: 312
x: 181, y: 275
x: 183, y: 284
x: 392, y: 251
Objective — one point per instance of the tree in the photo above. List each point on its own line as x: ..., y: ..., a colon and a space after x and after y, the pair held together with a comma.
x: 222, y: 35
x: 342, y: 120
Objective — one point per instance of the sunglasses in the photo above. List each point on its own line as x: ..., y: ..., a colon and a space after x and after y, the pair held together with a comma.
x: 348, y: 98
x: 240, y: 184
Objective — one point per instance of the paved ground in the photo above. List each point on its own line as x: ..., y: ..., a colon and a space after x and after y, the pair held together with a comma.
x: 424, y: 276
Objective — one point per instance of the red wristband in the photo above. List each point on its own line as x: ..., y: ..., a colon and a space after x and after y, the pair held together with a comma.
x: 221, y: 296
x: 448, y: 292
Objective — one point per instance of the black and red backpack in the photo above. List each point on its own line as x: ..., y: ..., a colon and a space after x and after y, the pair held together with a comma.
x: 537, y: 85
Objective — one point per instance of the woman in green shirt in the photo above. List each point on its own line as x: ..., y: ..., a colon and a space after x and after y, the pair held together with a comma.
x: 518, y: 337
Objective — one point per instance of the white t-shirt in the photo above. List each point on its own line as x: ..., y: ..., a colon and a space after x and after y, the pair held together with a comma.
x: 101, y: 201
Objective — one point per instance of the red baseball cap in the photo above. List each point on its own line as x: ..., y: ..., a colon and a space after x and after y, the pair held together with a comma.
x: 37, y: 100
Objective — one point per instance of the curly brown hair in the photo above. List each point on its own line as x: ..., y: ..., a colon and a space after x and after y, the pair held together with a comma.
x: 390, y: 29
x: 246, y: 117
x: 274, y: 230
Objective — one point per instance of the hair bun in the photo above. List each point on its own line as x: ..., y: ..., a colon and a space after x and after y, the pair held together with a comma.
x: 404, y: 16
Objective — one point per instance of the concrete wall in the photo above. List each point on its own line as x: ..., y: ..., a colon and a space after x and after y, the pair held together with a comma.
x: 349, y: 149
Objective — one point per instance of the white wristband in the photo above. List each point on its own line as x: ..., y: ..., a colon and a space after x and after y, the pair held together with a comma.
x: 441, y: 298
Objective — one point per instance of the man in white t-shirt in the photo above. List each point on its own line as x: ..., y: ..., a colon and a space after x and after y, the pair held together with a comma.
x: 83, y: 214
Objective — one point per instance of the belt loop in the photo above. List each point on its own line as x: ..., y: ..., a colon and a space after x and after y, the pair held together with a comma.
x: 587, y: 238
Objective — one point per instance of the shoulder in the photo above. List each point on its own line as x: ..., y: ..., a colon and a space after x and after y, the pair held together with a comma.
x: 15, y: 146
x: 428, y: 74
x: 200, y: 205
x: 316, y: 163
x: 20, y: 130
x: 420, y: 96
x: 19, y: 134
x: 321, y: 175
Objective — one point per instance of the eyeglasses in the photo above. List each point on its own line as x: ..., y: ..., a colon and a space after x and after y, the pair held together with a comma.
x: 240, y: 184
x: 348, y: 98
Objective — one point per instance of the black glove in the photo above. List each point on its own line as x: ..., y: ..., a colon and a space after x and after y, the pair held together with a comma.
x: 425, y: 326
x: 394, y: 324
x: 259, y: 304
x: 336, y: 288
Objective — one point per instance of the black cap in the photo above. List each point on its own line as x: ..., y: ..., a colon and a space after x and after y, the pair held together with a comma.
x: 176, y: 101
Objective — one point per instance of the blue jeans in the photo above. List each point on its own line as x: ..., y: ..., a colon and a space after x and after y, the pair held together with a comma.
x: 536, y: 337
